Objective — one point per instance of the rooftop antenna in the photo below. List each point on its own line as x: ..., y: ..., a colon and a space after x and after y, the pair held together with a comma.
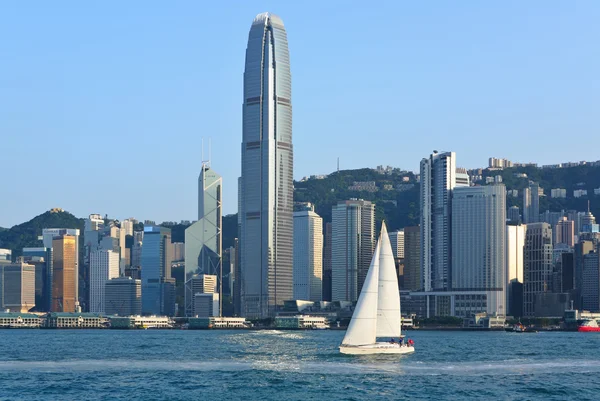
x: 206, y: 162
x: 338, y: 164
x: 588, y: 205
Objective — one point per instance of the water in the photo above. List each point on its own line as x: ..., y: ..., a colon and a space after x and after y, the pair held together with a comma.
x: 298, y: 365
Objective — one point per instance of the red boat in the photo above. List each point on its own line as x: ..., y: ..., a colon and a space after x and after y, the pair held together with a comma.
x: 588, y: 326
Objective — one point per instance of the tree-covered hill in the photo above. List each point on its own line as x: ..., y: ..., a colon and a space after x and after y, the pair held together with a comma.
x: 26, y: 234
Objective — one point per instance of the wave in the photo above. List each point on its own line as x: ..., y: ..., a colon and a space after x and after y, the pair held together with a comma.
x: 516, y: 367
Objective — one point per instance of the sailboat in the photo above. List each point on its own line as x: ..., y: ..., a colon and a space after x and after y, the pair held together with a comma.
x: 377, y: 312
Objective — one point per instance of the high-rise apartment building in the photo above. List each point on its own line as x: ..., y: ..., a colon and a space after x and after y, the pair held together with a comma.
x: 438, y: 179
x: 41, y: 258
x: 203, y: 246
x: 537, y: 264
x: 123, y: 296
x: 48, y: 236
x: 104, y: 265
x: 397, y: 242
x: 515, y: 245
x: 308, y: 255
x: 352, y: 247
x: 479, y: 242
x: 64, y: 282
x: 158, y: 296
x: 531, y: 203
x: 412, y: 258
x: 17, y: 286
x: 267, y: 170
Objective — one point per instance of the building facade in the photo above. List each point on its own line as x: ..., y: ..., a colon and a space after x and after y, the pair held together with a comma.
x: 41, y: 258
x: 18, y: 286
x: 537, y: 264
x: 479, y: 242
x: 412, y: 258
x: 515, y: 246
x: 308, y: 255
x: 64, y: 281
x: 104, y: 265
x: 203, y: 239
x: 531, y: 203
x: 157, y: 284
x: 352, y: 247
x: 266, y: 193
x: 48, y: 236
x: 564, y: 232
x: 123, y: 297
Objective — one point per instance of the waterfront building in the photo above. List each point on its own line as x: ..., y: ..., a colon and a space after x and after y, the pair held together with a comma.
x: 41, y: 258
x: 196, y: 323
x: 104, y: 265
x: 590, y: 292
x: 206, y: 305
x: 75, y: 320
x: 203, y: 241
x: 479, y: 241
x: 16, y: 320
x: 17, y: 287
x: 531, y: 203
x: 537, y: 264
x: 158, y: 293
x: 123, y: 296
x: 48, y: 236
x: 352, y: 247
x: 64, y: 281
x: 266, y: 194
x: 301, y: 322
x: 515, y: 246
x: 141, y: 322
x: 438, y: 180
x: 412, y: 258
x: 308, y: 255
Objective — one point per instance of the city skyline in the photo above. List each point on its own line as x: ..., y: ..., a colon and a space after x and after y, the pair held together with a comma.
x: 124, y: 102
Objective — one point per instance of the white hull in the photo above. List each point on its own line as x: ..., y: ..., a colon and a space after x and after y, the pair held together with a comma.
x: 377, y: 348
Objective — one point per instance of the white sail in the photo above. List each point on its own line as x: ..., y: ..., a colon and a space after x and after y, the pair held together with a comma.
x: 388, y: 300
x: 362, y: 327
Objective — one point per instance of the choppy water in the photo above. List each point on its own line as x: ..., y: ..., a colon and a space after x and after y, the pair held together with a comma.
x: 284, y: 365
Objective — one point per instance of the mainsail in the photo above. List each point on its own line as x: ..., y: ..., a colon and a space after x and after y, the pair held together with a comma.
x: 362, y: 328
x: 388, y: 299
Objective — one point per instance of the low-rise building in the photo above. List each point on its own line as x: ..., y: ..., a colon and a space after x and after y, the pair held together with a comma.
x: 484, y: 321
x: 578, y: 193
x: 558, y: 193
x: 198, y: 323
x: 301, y: 322
x: 19, y: 320
x: 141, y: 322
x: 75, y: 320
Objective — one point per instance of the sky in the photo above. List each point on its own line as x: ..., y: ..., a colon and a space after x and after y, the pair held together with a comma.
x: 103, y: 105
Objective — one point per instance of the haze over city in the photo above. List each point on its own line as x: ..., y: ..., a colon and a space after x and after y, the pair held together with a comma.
x: 103, y: 109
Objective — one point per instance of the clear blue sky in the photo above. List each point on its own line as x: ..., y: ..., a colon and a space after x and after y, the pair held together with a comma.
x: 103, y: 104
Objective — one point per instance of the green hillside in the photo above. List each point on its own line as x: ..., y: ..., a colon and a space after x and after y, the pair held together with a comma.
x: 26, y: 234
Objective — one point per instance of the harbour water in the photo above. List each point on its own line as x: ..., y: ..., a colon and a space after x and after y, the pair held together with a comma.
x: 293, y: 365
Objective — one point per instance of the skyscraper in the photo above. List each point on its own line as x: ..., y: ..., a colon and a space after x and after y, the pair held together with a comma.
x: 104, y: 265
x: 531, y: 203
x: 157, y: 296
x: 352, y: 247
x: 48, y: 236
x: 412, y: 258
x: 397, y: 242
x: 438, y: 179
x: 515, y: 244
x: 537, y: 264
x: 564, y: 232
x: 267, y: 170
x: 203, y: 247
x: 41, y: 258
x: 17, y: 291
x: 308, y: 255
x: 513, y: 215
x: 64, y: 288
x: 327, y: 262
x: 478, y: 242
x: 123, y: 296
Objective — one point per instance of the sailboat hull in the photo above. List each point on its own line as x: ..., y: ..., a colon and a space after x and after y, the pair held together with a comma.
x: 377, y: 348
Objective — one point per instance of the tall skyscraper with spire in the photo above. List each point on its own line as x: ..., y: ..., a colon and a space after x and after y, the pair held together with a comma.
x: 266, y: 190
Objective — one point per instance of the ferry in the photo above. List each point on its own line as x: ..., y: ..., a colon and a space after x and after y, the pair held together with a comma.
x: 589, y: 326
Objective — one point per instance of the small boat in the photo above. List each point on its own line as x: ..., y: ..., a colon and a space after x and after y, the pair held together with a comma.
x: 377, y: 312
x: 587, y: 326
x: 520, y: 328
